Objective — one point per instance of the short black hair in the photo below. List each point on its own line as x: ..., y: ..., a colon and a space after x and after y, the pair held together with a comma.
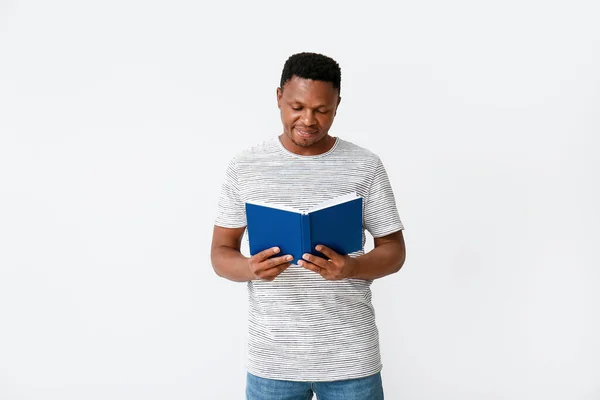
x: 312, y: 66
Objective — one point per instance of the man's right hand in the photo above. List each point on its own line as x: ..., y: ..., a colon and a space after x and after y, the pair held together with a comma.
x: 265, y: 268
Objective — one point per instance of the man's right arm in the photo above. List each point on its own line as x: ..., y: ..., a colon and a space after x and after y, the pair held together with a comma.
x: 229, y: 263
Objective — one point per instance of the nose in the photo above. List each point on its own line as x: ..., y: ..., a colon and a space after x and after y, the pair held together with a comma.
x: 308, y: 118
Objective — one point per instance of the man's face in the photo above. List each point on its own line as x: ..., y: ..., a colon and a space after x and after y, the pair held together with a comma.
x: 307, y: 110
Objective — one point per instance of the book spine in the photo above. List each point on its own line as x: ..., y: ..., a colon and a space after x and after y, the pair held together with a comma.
x: 305, y: 226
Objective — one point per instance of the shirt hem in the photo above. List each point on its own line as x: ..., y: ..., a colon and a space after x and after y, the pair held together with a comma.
x: 295, y: 378
x: 388, y: 232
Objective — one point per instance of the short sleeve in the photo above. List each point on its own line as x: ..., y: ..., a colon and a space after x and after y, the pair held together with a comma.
x: 231, y: 212
x: 381, y: 214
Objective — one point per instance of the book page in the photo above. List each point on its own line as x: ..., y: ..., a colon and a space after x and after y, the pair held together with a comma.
x: 276, y: 206
x: 335, y: 201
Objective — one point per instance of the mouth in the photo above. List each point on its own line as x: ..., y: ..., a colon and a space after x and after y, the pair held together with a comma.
x: 304, y: 132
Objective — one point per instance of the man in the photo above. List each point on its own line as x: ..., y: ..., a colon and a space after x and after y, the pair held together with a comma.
x: 311, y: 325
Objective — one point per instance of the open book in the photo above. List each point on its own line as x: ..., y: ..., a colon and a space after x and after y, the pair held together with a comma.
x: 336, y: 223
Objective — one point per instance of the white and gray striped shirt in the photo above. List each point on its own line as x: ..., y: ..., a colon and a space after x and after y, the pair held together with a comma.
x: 301, y: 326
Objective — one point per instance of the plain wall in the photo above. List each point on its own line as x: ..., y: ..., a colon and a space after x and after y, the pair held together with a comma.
x: 117, y: 119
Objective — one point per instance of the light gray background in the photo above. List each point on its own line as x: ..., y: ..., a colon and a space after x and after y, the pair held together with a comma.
x: 117, y: 119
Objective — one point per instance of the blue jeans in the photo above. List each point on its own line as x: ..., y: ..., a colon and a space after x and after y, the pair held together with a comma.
x: 369, y: 388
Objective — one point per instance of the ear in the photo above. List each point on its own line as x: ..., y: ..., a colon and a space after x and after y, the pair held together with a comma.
x: 279, y: 95
x: 337, y: 105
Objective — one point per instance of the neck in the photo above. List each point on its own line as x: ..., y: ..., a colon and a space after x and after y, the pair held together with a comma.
x: 322, y: 146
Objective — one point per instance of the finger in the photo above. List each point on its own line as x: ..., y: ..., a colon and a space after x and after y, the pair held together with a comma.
x: 274, y: 262
x: 318, y: 261
x: 328, y: 252
x: 263, y: 255
x: 311, y: 266
x: 273, y: 273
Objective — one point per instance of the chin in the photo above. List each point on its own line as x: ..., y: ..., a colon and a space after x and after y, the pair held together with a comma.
x: 304, y: 141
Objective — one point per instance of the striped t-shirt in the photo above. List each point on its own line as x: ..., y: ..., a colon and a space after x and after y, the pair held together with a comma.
x: 301, y: 326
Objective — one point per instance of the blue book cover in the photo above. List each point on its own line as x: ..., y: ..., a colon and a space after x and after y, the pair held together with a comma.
x: 337, y: 224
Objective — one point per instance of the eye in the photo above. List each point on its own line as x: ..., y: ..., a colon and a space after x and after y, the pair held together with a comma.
x: 323, y: 111
x: 297, y: 108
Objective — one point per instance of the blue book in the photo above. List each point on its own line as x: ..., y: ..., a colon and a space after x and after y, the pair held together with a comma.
x: 336, y: 223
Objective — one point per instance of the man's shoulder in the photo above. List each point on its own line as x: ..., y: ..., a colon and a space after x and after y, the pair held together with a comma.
x: 358, y: 152
x: 250, y: 153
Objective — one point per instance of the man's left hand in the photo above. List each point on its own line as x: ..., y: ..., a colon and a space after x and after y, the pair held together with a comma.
x: 335, y: 267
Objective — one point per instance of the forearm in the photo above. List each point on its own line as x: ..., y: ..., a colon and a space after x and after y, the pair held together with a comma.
x: 230, y: 264
x: 383, y: 260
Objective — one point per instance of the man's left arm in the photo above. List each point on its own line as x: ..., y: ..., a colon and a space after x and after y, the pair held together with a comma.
x: 387, y: 257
